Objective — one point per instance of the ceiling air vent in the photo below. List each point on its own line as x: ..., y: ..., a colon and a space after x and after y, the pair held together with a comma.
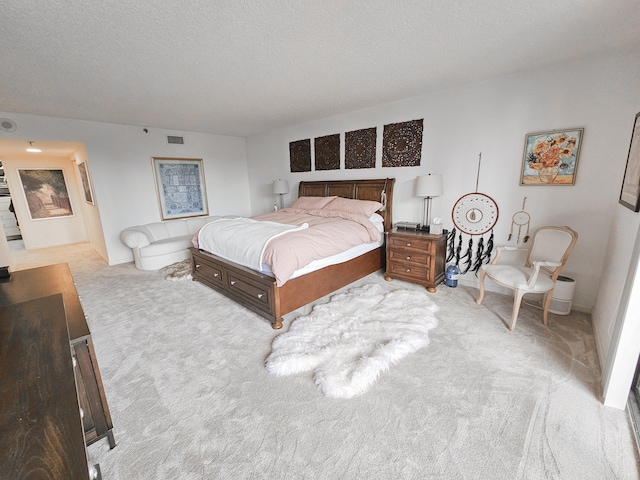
x: 7, y: 125
x: 175, y: 140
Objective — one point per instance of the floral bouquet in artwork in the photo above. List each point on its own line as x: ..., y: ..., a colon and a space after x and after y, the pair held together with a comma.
x: 551, y: 157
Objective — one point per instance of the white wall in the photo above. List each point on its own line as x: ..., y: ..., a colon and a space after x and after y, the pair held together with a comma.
x: 119, y: 159
x: 493, y: 117
x: 93, y: 222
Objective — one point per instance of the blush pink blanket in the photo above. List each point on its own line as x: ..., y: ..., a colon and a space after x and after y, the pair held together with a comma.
x: 329, y: 233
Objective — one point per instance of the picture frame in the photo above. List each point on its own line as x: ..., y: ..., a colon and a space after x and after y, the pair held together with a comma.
x: 83, y: 171
x: 45, y: 193
x: 630, y: 191
x: 181, y: 187
x: 551, y: 158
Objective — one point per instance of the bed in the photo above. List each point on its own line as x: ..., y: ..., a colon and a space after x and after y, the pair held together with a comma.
x: 259, y: 291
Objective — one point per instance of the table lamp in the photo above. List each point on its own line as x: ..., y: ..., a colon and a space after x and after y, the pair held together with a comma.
x: 280, y: 187
x: 428, y: 186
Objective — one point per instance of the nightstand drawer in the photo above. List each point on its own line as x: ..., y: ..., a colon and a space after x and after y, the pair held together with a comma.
x: 408, y: 270
x: 415, y: 242
x: 416, y: 257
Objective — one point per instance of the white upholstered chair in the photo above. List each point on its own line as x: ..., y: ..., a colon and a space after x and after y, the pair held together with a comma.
x: 549, y: 249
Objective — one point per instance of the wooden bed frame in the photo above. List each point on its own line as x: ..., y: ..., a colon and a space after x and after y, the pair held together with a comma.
x: 259, y: 292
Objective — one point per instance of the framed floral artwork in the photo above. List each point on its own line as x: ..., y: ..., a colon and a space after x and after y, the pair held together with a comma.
x: 551, y: 158
x: 630, y: 193
x: 181, y: 187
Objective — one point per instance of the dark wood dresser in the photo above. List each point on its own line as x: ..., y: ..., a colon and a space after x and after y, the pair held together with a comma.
x: 36, y: 283
x: 41, y: 434
x: 416, y: 256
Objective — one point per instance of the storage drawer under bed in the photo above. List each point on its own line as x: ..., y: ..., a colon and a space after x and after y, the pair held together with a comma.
x: 208, y: 271
x: 254, y: 292
x: 249, y: 290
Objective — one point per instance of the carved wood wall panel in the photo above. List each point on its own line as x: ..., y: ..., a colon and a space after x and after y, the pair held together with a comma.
x: 402, y: 144
x: 327, y: 151
x: 300, y: 155
x: 360, y: 148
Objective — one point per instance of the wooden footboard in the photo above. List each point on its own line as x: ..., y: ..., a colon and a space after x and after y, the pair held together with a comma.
x: 259, y: 293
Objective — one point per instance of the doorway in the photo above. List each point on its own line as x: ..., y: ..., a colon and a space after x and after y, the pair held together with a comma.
x: 63, y: 163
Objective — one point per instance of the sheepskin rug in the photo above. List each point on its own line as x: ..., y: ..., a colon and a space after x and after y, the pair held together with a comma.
x: 177, y: 271
x: 349, y: 341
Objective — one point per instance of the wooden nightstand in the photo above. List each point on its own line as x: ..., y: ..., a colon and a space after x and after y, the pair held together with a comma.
x: 416, y: 256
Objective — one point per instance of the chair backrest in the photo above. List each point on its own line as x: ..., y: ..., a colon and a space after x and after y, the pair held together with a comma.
x: 551, y: 244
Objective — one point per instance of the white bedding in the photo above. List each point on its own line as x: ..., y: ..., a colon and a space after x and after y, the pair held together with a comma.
x: 242, y: 240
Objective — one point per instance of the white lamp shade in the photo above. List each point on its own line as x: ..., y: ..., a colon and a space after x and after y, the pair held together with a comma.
x: 280, y: 186
x: 429, y: 186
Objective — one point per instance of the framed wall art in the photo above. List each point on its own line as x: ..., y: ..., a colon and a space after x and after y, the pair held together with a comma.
x: 551, y: 158
x: 86, y: 182
x: 46, y: 194
x: 630, y: 193
x: 181, y: 187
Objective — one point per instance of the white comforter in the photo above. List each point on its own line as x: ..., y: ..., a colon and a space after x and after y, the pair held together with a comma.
x: 242, y: 240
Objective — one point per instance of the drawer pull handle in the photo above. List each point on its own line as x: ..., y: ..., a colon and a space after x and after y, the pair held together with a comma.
x: 216, y: 274
x: 408, y: 270
x: 233, y: 282
x: 409, y: 244
x: 409, y: 257
x: 260, y: 295
x: 197, y: 265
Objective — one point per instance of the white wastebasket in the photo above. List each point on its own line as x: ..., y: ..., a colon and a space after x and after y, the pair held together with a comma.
x: 562, y: 297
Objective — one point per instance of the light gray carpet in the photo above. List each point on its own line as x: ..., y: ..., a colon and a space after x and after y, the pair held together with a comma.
x: 183, y: 369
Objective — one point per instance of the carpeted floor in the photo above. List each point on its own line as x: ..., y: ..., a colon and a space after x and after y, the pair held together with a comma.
x: 184, y: 374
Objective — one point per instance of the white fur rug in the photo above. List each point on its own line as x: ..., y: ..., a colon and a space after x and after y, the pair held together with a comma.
x: 177, y: 271
x: 349, y: 341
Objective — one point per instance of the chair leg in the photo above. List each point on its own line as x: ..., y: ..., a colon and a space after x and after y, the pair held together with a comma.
x: 481, y: 280
x: 547, y: 305
x: 517, y: 299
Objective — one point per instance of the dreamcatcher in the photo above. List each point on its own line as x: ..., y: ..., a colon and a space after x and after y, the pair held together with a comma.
x: 520, y: 219
x: 474, y: 214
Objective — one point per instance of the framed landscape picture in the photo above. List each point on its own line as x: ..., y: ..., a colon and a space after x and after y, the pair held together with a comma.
x: 551, y: 158
x: 630, y: 193
x: 45, y: 191
x: 86, y: 183
x: 181, y: 187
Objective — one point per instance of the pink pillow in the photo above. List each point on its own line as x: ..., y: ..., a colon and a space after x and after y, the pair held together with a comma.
x: 349, y: 205
x: 311, y: 203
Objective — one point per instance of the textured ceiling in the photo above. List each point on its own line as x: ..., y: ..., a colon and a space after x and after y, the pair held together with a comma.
x: 240, y: 67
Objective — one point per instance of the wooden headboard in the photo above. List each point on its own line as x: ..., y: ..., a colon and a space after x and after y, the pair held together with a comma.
x: 358, y: 189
